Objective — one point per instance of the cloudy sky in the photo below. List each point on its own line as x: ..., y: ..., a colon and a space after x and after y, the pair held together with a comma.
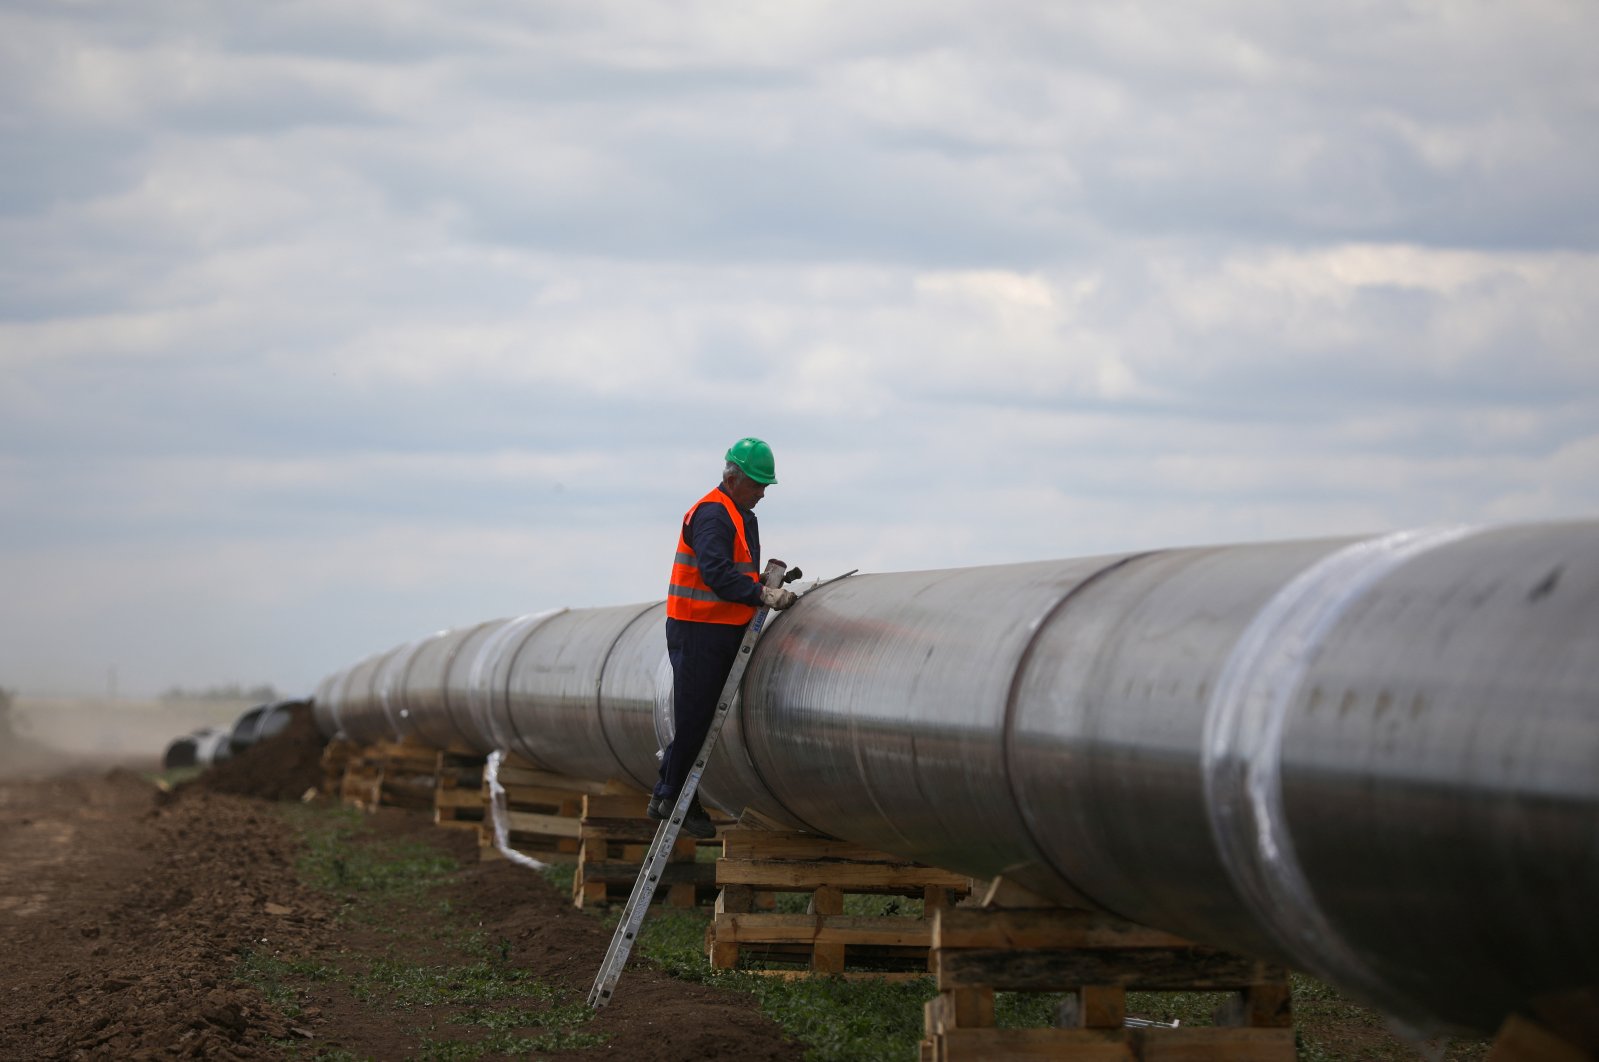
x: 327, y: 324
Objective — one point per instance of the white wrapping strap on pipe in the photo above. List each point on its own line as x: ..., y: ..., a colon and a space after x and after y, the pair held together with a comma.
x: 1243, y: 740
x: 499, y: 810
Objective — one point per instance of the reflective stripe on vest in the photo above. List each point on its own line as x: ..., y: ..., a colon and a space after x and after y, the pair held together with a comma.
x: 692, y: 561
x: 688, y: 596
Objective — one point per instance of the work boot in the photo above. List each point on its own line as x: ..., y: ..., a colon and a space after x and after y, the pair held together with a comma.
x: 696, y: 823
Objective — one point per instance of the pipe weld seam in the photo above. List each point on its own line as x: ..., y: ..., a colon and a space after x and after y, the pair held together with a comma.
x: 482, y: 681
x: 1243, y: 736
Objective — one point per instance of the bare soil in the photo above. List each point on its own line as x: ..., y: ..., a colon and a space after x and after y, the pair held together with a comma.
x: 125, y: 912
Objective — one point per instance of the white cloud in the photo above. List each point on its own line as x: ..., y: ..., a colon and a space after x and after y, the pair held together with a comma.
x: 323, y: 324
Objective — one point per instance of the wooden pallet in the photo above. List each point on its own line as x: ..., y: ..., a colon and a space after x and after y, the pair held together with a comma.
x: 409, y: 769
x: 615, y: 835
x: 458, y: 791
x: 1562, y: 1028
x: 823, y: 940
x: 1095, y: 959
x: 361, y: 784
x: 389, y: 774
x: 335, y: 758
x: 544, y: 812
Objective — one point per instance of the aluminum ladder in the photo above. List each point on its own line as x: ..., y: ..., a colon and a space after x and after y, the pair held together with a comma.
x: 638, y: 903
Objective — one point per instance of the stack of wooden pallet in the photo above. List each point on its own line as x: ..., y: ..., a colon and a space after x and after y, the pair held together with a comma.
x: 615, y: 835
x: 458, y: 791
x: 823, y: 939
x: 544, y: 812
x: 1095, y: 959
x: 335, y: 759
x: 386, y: 774
x: 407, y: 773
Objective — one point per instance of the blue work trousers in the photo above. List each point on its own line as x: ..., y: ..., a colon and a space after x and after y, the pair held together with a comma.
x: 701, y: 654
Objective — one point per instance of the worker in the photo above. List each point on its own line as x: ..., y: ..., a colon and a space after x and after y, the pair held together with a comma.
x: 714, y: 592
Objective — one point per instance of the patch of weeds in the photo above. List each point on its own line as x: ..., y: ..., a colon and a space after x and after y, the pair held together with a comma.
x: 298, y: 1051
x: 1024, y: 1010
x: 565, y: 1016
x: 863, y: 905
x: 401, y: 870
x: 561, y: 876
x: 1330, y: 1026
x: 566, y: 1040
x: 675, y: 938
x: 869, y: 906
x: 506, y: 1044
x: 408, y: 984
x: 1189, y: 1008
x: 847, y: 1021
x: 559, y: 1024
x: 450, y: 1050
x: 838, y: 1020
x: 279, y: 980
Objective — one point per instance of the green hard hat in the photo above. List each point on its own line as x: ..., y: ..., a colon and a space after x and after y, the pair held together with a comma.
x: 754, y: 458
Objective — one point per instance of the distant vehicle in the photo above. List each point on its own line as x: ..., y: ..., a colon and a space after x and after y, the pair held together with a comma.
x: 261, y: 722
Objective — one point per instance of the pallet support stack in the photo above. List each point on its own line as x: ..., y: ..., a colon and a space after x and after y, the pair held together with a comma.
x: 361, y: 785
x: 824, y: 939
x: 615, y: 835
x: 387, y: 774
x: 1095, y: 959
x: 335, y: 759
x: 544, y: 812
x: 1566, y: 1029
x: 458, y: 791
x: 406, y: 773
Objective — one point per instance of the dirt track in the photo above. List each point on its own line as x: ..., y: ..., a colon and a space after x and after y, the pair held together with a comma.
x: 124, y: 913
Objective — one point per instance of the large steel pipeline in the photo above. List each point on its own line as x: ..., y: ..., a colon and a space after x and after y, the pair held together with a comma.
x: 1375, y: 759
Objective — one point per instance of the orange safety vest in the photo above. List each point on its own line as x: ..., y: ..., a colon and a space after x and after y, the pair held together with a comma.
x: 688, y: 597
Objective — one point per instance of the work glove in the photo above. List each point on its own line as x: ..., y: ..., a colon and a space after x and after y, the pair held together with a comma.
x: 778, y: 598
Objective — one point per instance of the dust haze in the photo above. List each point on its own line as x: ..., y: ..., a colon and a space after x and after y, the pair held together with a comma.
x: 47, y: 736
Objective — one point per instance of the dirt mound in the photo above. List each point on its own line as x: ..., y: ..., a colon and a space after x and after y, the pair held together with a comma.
x: 282, y: 767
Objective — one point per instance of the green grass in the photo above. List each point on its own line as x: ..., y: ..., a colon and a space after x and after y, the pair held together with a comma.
x: 335, y: 860
x: 504, y: 1043
x: 480, y: 1004
x: 489, y: 1006
x: 280, y: 981
x: 561, y: 876
x: 405, y: 983
x: 857, y: 1021
x: 565, y: 1016
x: 560, y: 1025
x: 300, y: 1051
x: 838, y: 1020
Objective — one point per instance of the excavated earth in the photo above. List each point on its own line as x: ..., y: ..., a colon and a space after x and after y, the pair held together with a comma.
x: 126, y: 911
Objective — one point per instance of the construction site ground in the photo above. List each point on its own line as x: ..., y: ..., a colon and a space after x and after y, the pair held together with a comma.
x: 226, y: 919
x: 140, y: 924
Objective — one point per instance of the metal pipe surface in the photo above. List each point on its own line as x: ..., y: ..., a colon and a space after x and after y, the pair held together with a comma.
x: 1374, y: 759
